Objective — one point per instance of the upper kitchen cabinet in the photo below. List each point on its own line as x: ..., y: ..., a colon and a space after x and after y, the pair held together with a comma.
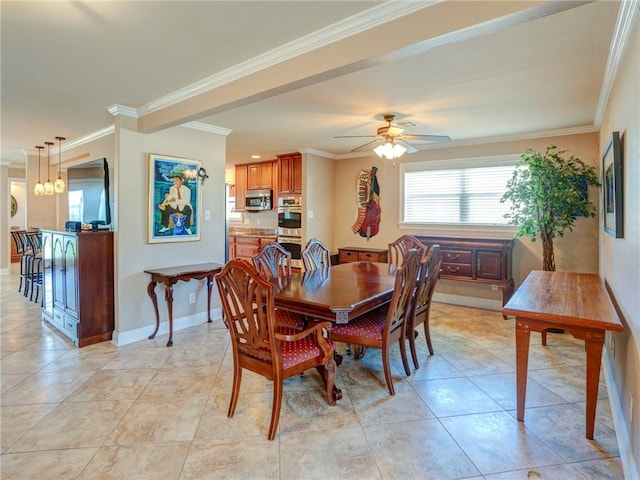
x: 290, y: 169
x: 241, y: 186
x: 260, y: 176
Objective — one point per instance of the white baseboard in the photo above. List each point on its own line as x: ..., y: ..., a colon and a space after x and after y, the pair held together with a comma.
x: 627, y: 460
x: 484, y: 303
x: 131, y: 336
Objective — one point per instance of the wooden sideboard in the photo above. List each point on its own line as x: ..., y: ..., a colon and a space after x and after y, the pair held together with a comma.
x: 356, y: 254
x: 477, y: 260
x: 78, y: 284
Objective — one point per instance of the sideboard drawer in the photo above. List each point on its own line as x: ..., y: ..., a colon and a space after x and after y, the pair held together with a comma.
x: 347, y: 256
x: 456, y: 256
x: 370, y: 257
x: 456, y: 270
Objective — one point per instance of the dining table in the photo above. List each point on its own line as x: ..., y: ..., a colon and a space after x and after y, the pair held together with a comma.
x: 337, y: 293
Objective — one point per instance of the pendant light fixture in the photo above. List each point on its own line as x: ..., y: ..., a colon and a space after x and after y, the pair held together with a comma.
x: 59, y: 185
x: 39, y: 188
x: 48, y: 186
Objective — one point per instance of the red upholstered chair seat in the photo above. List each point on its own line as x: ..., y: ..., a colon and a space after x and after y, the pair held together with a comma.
x: 370, y: 325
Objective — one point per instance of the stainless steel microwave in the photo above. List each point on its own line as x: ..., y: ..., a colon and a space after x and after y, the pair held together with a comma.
x: 257, y: 200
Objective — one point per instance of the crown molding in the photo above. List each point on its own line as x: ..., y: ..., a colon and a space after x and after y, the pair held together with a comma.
x: 624, y: 24
x: 207, y: 127
x: 90, y: 137
x: 117, y: 109
x: 355, y: 24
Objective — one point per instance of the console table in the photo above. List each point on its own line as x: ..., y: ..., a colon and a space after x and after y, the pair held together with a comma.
x: 172, y: 275
x: 477, y: 260
x: 575, y: 302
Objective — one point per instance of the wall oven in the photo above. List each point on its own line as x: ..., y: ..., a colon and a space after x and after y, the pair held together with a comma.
x: 294, y: 246
x: 290, y: 227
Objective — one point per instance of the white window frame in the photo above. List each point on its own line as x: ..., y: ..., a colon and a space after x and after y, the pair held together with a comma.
x: 498, y: 231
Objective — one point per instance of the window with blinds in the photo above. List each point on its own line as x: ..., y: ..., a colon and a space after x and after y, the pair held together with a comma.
x: 467, y: 194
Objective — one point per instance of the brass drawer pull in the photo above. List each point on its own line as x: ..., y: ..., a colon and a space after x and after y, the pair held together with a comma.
x: 453, y: 270
x: 453, y: 257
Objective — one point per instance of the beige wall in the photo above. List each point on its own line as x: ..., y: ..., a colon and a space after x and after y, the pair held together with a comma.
x: 577, y: 251
x: 133, y: 254
x: 620, y: 257
x: 318, y: 199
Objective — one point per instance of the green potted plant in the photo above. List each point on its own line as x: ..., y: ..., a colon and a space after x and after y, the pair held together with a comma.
x: 547, y: 193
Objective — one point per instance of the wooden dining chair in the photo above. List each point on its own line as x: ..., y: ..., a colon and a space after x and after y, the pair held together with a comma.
x: 381, y: 327
x: 273, y: 261
x: 261, y: 345
x: 399, y: 248
x: 421, y: 303
x: 316, y: 255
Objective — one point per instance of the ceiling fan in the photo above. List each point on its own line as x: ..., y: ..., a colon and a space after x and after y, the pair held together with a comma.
x: 391, y: 136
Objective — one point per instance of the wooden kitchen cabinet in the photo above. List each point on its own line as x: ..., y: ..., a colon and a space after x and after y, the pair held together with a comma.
x: 290, y: 174
x: 241, y: 187
x: 248, y: 246
x: 260, y: 176
x: 355, y: 254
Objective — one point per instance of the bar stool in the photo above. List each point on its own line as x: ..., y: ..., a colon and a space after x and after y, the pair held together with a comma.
x: 18, y: 240
x: 34, y: 265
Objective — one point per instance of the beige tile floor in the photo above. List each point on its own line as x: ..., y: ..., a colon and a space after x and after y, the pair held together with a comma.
x: 146, y: 411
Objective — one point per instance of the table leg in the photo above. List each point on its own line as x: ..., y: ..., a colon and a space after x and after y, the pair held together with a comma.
x: 151, y: 291
x: 209, y: 287
x: 507, y: 292
x: 522, y: 362
x: 594, y: 359
x: 168, y: 295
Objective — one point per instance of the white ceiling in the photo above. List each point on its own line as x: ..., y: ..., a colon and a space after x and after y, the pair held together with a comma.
x: 285, y: 76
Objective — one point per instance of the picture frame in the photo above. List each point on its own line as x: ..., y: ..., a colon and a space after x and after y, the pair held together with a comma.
x: 612, y: 184
x: 174, y: 199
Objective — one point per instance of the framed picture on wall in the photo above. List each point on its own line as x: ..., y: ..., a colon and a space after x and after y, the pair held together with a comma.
x: 174, y: 199
x: 612, y: 183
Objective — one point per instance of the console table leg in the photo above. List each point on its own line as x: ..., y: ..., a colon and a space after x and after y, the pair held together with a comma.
x: 209, y: 287
x: 522, y: 363
x: 151, y: 291
x: 168, y: 295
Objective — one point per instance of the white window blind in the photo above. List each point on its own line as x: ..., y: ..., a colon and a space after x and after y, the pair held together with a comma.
x: 465, y: 195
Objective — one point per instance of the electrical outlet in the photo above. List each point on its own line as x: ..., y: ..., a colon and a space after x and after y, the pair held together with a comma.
x: 192, y: 297
x: 494, y: 288
x: 630, y: 407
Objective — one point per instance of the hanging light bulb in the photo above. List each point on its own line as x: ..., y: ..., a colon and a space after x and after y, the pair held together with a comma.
x: 59, y: 185
x: 48, y: 186
x: 39, y: 188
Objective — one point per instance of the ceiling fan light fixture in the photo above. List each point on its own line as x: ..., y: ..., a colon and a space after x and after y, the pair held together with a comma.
x: 390, y: 150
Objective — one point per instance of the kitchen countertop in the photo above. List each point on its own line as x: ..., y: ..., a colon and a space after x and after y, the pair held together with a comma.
x: 253, y: 232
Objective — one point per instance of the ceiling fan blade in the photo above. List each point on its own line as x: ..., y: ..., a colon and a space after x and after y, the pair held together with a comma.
x: 355, y: 136
x: 357, y: 149
x: 410, y: 148
x: 428, y: 138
